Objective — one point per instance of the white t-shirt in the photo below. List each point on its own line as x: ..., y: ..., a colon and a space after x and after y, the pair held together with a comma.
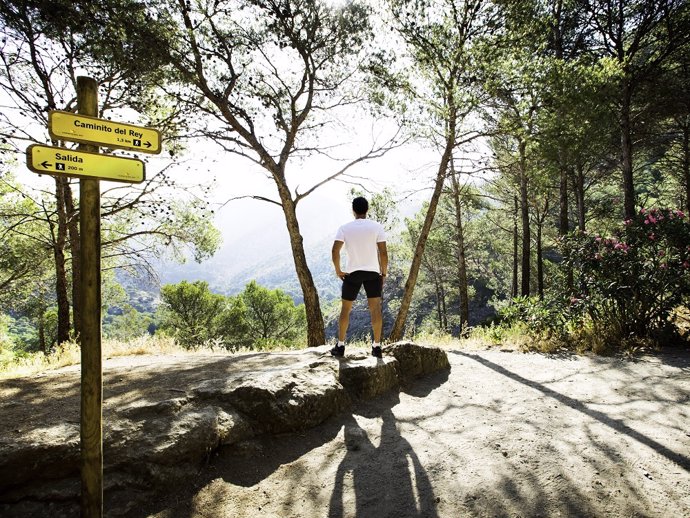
x: 360, y: 237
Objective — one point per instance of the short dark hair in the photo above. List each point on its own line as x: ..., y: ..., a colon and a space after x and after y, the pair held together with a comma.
x: 360, y: 205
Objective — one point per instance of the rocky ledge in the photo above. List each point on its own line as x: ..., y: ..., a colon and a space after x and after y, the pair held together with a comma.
x: 152, y: 442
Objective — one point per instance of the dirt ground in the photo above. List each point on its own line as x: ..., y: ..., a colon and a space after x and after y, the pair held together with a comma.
x: 503, y: 434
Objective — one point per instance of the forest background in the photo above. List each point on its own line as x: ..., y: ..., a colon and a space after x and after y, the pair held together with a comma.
x: 530, y: 161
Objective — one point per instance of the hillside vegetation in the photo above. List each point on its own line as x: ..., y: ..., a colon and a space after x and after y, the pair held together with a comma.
x: 555, y: 187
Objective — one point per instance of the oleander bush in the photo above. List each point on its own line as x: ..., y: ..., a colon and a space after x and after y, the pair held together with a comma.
x: 630, y: 283
x: 626, y: 286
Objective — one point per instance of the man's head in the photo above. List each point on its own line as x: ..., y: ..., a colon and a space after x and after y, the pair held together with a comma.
x: 360, y: 206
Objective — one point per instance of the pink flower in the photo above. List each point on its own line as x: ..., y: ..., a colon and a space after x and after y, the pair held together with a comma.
x: 652, y: 219
x: 663, y: 266
x: 598, y: 239
x: 646, y: 222
x: 680, y: 214
x: 651, y: 236
x: 686, y: 264
x: 643, y: 211
x: 627, y: 222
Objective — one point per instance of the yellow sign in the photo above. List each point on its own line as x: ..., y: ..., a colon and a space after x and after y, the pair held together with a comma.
x: 66, y: 162
x: 102, y: 132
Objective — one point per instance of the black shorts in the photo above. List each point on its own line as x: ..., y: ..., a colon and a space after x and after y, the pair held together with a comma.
x: 373, y: 284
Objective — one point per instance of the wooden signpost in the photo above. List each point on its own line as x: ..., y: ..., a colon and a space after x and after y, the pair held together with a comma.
x: 83, y: 164
x: 77, y: 127
x: 90, y: 166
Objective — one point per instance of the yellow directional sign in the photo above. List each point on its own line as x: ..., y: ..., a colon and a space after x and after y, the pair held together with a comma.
x: 66, y: 162
x: 102, y: 132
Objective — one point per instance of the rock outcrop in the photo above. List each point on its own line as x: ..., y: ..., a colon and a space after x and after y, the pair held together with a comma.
x: 149, y: 443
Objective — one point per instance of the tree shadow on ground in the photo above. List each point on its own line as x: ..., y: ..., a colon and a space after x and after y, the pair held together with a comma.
x: 249, y: 463
x: 616, y: 424
x: 52, y: 398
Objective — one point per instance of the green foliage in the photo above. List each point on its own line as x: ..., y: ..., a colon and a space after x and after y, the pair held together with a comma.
x: 190, y: 312
x: 6, y: 342
x: 24, y: 258
x: 255, y: 318
x: 542, y: 318
x: 259, y: 318
x: 127, y: 325
x: 383, y: 207
x: 109, y: 32
x: 631, y: 282
x: 626, y: 287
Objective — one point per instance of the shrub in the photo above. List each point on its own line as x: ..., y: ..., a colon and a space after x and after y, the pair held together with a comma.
x: 534, y: 324
x: 629, y: 284
x: 190, y: 312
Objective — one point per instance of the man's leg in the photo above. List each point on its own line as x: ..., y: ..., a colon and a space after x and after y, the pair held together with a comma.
x: 376, y: 317
x: 344, y: 320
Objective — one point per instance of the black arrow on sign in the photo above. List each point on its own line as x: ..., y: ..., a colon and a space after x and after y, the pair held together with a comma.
x: 148, y: 144
x: 46, y: 165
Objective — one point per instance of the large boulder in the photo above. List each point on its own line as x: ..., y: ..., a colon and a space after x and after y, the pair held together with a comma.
x: 150, y: 442
x: 281, y: 401
x: 367, y: 377
x: 416, y: 360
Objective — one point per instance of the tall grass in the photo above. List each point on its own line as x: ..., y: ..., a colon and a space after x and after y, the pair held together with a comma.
x: 17, y: 364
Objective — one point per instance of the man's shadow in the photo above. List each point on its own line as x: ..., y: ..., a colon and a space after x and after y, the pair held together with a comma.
x: 387, y: 480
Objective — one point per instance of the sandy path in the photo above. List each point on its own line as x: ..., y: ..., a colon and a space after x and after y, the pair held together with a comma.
x: 505, y: 434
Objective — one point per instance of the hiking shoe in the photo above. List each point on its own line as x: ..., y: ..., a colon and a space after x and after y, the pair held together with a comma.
x: 338, y: 350
x: 376, y: 352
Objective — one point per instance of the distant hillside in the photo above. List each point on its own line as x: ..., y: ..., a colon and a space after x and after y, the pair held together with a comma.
x: 256, y: 247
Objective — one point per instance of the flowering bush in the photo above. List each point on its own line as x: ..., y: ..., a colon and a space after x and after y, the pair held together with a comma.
x: 629, y: 283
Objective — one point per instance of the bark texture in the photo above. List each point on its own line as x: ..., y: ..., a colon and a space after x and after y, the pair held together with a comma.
x: 461, y: 262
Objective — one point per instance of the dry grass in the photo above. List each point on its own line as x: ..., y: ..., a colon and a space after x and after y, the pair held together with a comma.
x: 69, y: 353
x: 513, y: 338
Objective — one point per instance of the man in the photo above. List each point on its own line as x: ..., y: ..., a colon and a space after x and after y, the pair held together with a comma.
x: 367, y: 265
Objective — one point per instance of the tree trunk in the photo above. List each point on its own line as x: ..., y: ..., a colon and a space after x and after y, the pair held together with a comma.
x: 60, y: 264
x: 580, y: 196
x: 73, y: 228
x: 316, y: 334
x: 514, y: 287
x: 444, y: 311
x: 627, y: 151
x: 563, y: 225
x: 399, y: 324
x: 42, y: 333
x: 439, y: 314
x: 461, y: 264
x: 526, y: 237
x: 540, y: 261
x: 686, y: 167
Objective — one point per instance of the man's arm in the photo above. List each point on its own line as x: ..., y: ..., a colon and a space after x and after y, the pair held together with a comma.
x: 335, y: 257
x: 383, y: 257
